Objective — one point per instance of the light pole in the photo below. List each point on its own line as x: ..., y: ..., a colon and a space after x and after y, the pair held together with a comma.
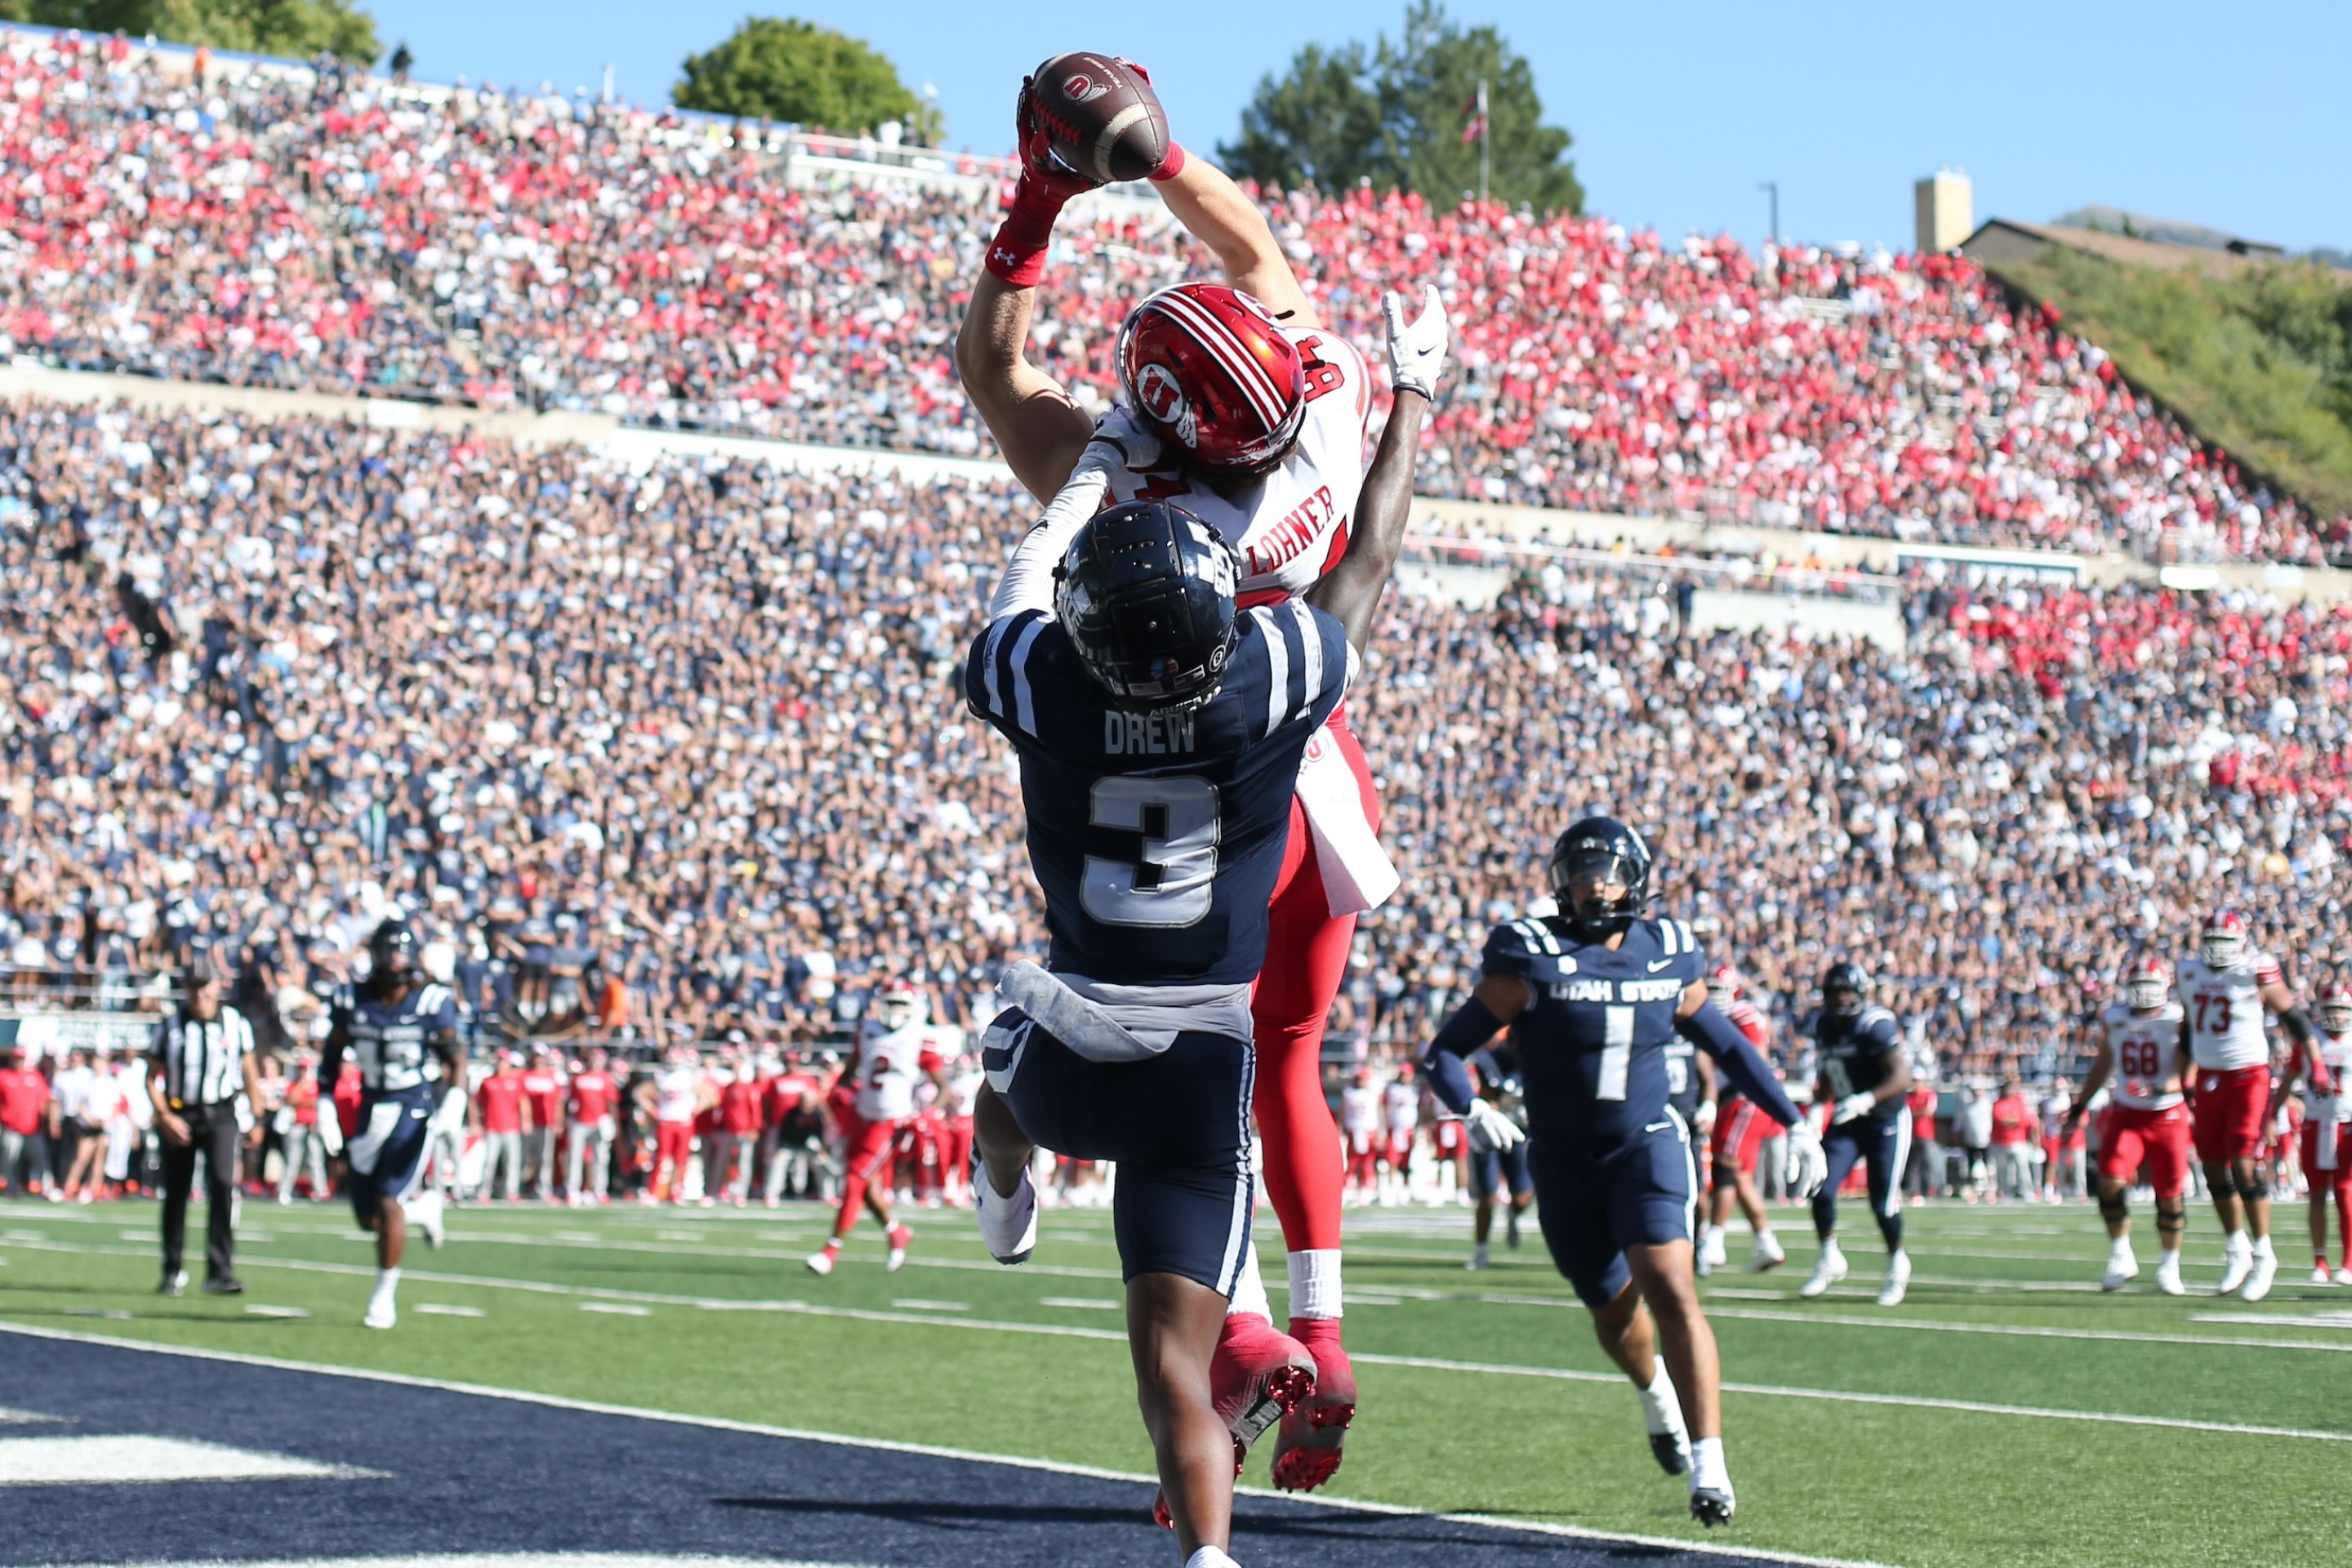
x: 1771, y: 188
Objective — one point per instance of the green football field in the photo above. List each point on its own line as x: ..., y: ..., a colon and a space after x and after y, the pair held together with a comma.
x: 2008, y: 1413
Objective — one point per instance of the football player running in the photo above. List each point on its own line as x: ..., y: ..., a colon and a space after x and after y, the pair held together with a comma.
x: 1159, y: 727
x: 1592, y: 997
x: 2326, y: 1127
x: 389, y: 1024
x: 898, y: 1050
x: 2226, y: 988
x: 1735, y: 1142
x: 1238, y: 402
x: 1865, y: 1080
x: 1498, y: 1163
x: 2146, y: 1124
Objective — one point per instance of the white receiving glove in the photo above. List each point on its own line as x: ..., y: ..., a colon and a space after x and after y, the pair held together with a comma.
x: 1852, y: 1105
x: 1417, y: 350
x: 329, y: 1127
x: 449, y: 1116
x: 1703, y: 1119
x: 1807, y: 1167
x: 1490, y: 1129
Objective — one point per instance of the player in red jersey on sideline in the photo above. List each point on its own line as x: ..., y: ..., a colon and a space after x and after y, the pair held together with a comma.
x: 1737, y: 1142
x: 897, y: 1049
x: 2327, y: 1131
x: 2146, y: 1125
x: 2227, y: 988
x: 1239, y: 402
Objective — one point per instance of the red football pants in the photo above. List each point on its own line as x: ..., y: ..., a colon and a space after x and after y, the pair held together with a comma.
x: 1306, y: 959
x: 674, y: 1142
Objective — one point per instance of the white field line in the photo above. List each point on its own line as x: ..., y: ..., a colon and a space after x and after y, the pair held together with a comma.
x: 557, y: 1402
x: 1060, y: 1330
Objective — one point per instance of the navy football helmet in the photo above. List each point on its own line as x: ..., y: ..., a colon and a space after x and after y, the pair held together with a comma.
x: 1146, y: 593
x: 1845, y: 989
x: 392, y: 953
x: 1597, y: 853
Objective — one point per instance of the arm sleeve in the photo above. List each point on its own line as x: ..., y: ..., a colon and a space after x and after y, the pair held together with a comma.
x: 1471, y: 1026
x: 1716, y: 1034
x: 1028, y: 580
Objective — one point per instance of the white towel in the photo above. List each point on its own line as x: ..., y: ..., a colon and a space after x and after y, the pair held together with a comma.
x: 1357, y: 872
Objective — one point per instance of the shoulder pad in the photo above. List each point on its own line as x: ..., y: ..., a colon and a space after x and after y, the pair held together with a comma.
x: 1876, y: 1021
x: 1519, y: 946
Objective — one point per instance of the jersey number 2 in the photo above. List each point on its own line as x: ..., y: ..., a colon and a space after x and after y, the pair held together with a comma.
x: 1173, y: 883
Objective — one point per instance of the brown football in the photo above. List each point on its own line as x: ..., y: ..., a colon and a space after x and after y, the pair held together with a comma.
x: 1101, y: 116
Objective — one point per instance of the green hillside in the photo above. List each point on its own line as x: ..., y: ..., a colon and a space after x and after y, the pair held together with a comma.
x: 2260, y: 364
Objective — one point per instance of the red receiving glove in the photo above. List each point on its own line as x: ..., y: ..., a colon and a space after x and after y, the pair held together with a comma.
x: 1017, y: 254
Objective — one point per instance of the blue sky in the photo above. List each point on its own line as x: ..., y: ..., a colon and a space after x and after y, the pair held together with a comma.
x: 2230, y: 118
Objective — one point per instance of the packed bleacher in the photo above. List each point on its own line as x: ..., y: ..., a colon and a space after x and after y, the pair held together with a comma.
x: 258, y: 682
x: 326, y: 233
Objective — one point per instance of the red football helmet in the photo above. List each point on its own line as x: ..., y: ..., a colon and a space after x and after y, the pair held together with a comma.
x: 2223, y: 943
x: 1723, y: 986
x: 2147, y: 981
x: 2336, y: 1010
x: 1210, y: 372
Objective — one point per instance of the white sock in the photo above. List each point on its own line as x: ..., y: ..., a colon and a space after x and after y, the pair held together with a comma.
x: 1830, y: 1252
x: 1708, y: 1468
x: 1210, y: 1557
x: 1711, y: 1234
x: 387, y: 1284
x: 1314, y: 1283
x: 2235, y: 1245
x: 1249, y: 1291
x: 1661, y: 1408
x: 2262, y: 1247
x: 2171, y: 1256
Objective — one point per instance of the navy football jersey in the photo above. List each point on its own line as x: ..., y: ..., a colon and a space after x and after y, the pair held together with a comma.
x: 391, y: 1040
x: 1592, y: 1049
x: 1856, y: 1054
x: 1156, y: 837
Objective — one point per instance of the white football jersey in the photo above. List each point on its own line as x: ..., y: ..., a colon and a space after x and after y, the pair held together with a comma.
x: 1403, y: 1106
x: 892, y: 1065
x: 678, y: 1094
x: 1359, y: 1109
x: 2226, y: 1027
x: 2336, y: 1050
x: 1292, y: 526
x: 2143, y: 1045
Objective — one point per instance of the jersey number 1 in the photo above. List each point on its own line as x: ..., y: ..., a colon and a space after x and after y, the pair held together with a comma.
x: 1173, y: 883
x: 1616, y: 1051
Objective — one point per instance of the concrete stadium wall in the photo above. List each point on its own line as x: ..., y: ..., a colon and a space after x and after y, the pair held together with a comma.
x: 638, y: 446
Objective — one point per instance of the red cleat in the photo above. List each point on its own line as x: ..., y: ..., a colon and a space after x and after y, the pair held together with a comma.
x: 1257, y: 1377
x: 1307, y: 1451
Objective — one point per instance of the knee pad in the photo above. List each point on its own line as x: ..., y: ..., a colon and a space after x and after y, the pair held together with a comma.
x: 2223, y: 1187
x: 2172, y: 1216
x: 2113, y: 1207
x: 2260, y: 1189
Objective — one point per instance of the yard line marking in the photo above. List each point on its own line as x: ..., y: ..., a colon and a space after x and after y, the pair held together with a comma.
x: 930, y: 1450
x: 512, y: 1560
x: 1089, y: 1303
x: 916, y: 1304
x: 443, y: 1309
x: 2296, y: 1321
x: 618, y: 1309
x: 1565, y: 1375
x: 2127, y: 1336
x: 91, y: 1460
x: 278, y: 1311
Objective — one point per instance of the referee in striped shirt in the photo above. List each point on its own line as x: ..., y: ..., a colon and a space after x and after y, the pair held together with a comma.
x: 203, y: 1059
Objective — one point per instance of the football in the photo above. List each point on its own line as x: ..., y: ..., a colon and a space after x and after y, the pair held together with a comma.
x: 1100, y: 116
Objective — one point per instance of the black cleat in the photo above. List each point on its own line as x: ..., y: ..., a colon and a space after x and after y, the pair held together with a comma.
x: 176, y: 1284
x: 225, y: 1285
x: 1710, y: 1507
x: 1673, y: 1452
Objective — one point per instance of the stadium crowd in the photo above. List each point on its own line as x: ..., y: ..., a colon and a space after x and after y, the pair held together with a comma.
x: 331, y: 233
x: 259, y: 682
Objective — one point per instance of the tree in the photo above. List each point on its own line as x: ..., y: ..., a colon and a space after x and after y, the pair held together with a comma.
x: 297, y: 28
x: 1395, y: 115
x: 788, y: 69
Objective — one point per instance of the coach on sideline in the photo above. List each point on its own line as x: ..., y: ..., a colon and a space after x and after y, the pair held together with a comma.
x: 203, y: 1059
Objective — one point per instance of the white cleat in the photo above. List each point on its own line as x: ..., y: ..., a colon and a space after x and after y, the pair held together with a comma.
x: 2235, y: 1267
x: 1479, y: 1257
x: 901, y: 1238
x: 1827, y: 1273
x: 2258, y: 1282
x: 1712, y: 1254
x: 1769, y: 1253
x: 820, y: 1260
x: 2167, y: 1275
x: 2343, y: 1275
x: 2122, y: 1270
x: 380, y: 1318
x: 1008, y: 1226
x: 1897, y: 1280
x: 2320, y: 1276
x: 428, y: 1216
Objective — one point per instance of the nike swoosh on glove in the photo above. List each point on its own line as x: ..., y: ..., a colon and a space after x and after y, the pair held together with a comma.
x: 1416, y: 349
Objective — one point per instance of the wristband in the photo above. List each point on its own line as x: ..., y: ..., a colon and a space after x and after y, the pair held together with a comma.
x: 1017, y: 254
x: 1171, y: 165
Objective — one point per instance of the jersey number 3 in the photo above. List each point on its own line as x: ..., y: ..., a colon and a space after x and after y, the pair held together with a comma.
x: 1172, y: 882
